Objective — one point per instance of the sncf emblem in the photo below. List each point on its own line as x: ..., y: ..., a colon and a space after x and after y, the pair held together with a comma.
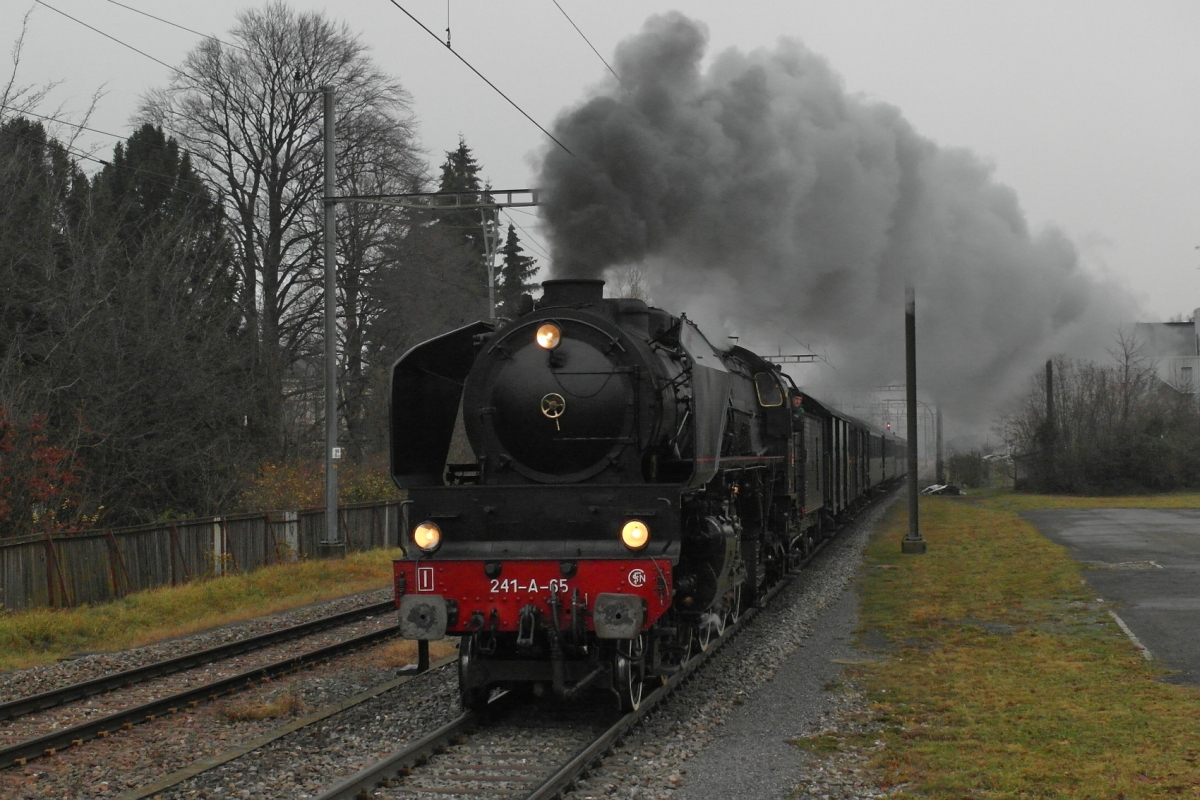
x: 424, y: 579
x: 637, y: 578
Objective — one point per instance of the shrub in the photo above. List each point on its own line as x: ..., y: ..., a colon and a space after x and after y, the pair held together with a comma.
x: 40, y: 482
x: 301, y: 484
x: 1115, y: 428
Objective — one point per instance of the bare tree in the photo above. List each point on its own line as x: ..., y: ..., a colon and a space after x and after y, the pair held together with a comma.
x: 379, y: 159
x: 1116, y: 427
x: 628, y: 280
x: 258, y: 143
x: 1135, y: 373
x: 15, y: 97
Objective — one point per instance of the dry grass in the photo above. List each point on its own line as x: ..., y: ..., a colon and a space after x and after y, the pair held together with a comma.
x: 1008, y: 500
x: 45, y: 635
x: 404, y: 652
x: 286, y: 702
x: 1004, y: 679
x: 821, y: 743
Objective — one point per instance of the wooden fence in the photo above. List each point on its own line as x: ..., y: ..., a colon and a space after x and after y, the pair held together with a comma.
x: 95, y: 566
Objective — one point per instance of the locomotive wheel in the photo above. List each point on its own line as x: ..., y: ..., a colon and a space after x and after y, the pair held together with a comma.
x: 710, y: 623
x: 688, y: 642
x: 629, y: 672
x: 798, y: 552
x: 474, y: 698
x: 734, y: 611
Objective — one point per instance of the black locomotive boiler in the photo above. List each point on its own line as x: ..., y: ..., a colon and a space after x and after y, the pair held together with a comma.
x: 594, y: 489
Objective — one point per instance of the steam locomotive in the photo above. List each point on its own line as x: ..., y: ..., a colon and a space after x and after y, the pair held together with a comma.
x: 594, y: 490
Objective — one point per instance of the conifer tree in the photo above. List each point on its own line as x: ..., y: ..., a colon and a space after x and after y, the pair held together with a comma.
x: 516, y: 272
x: 460, y: 173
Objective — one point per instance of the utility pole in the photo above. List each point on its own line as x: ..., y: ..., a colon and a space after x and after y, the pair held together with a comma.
x: 1050, y: 430
x: 940, y: 462
x: 491, y: 239
x: 913, y: 543
x: 514, y: 198
x: 333, y: 453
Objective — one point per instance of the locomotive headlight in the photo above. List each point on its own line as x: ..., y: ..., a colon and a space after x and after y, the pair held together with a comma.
x: 635, y: 534
x: 427, y: 536
x: 549, y: 336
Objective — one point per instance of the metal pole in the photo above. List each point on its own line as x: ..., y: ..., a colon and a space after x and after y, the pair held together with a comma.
x: 488, y: 252
x: 333, y: 453
x: 1049, y: 479
x: 913, y: 543
x: 940, y: 464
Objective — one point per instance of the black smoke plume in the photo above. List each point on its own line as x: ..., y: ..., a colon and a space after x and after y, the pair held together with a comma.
x: 764, y: 200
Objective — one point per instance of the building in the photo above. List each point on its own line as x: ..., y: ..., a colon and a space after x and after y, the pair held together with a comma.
x: 1175, y: 349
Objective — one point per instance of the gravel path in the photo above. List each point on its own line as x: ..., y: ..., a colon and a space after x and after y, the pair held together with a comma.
x: 25, y: 682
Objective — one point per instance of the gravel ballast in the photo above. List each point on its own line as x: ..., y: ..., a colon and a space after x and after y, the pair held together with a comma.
x: 725, y: 733
x: 32, y: 726
x: 26, y: 682
x: 305, y: 762
x: 130, y: 759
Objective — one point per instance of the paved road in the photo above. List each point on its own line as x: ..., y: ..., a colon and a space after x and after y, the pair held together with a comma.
x: 1148, y: 561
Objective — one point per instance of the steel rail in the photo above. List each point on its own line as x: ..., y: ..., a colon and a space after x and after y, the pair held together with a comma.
x: 564, y: 779
x: 107, y: 683
x: 243, y: 748
x: 400, y: 762
x: 51, y: 743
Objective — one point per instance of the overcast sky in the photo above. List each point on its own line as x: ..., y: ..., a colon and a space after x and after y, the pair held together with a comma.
x: 1089, y: 110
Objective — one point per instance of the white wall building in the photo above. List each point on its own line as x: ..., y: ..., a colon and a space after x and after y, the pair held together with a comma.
x: 1175, y: 349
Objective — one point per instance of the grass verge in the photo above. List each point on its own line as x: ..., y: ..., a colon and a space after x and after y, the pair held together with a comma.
x: 42, y: 636
x: 1004, y: 678
x: 1008, y: 500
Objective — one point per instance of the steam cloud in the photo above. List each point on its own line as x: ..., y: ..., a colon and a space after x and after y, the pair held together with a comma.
x: 764, y: 200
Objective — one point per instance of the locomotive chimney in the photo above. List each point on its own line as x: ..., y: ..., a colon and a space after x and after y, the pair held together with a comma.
x: 571, y: 292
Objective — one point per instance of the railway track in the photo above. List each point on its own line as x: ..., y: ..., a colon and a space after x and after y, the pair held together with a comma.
x: 117, y: 680
x: 517, y: 749
x: 51, y: 743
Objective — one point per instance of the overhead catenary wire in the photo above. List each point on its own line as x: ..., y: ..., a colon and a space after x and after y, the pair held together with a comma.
x: 68, y: 123
x: 180, y: 27
x: 150, y: 176
x: 176, y: 70
x: 529, y: 238
x: 589, y: 44
x: 511, y: 102
x: 88, y: 157
x: 26, y: 113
